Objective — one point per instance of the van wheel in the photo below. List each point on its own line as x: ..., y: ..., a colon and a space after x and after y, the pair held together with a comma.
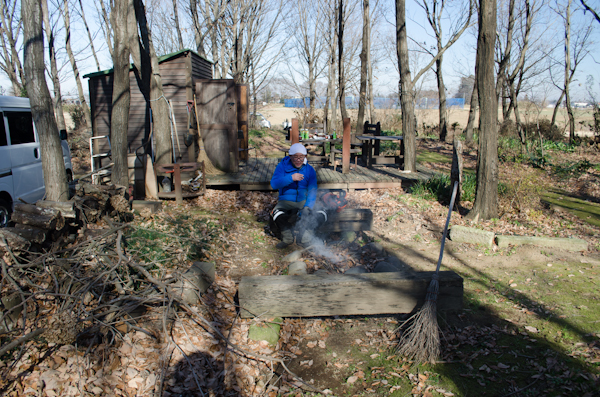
x: 4, y: 213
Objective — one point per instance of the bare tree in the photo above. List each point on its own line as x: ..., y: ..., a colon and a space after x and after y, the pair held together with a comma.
x: 10, y: 29
x: 576, y: 48
x: 486, y: 197
x: 158, y: 102
x: 408, y: 84
x: 341, y: 73
x: 55, y: 175
x: 121, y: 96
x: 407, y: 99
x: 506, y: 77
x: 177, y: 27
x: 86, y: 109
x: 87, y: 29
x: 474, y: 105
x: 364, y: 65
x: 50, y: 27
x: 591, y: 10
x: 105, y: 24
x: 198, y: 36
x: 309, y: 46
x: 436, y: 10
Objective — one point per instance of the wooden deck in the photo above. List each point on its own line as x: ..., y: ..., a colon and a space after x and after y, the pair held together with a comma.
x: 255, y: 174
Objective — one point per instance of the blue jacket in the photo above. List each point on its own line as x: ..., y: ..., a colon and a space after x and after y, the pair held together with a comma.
x: 289, y: 190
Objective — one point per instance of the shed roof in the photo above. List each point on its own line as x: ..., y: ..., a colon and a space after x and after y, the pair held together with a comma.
x: 161, y: 59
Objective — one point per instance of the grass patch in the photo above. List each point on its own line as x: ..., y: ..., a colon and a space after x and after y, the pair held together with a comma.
x: 585, y: 210
x: 184, y: 238
x: 438, y: 188
x: 433, y: 157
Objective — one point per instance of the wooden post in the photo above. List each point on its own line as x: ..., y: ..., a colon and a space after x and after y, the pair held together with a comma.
x: 177, y: 183
x: 242, y: 114
x: 457, y: 167
x: 294, y: 136
x: 346, y: 147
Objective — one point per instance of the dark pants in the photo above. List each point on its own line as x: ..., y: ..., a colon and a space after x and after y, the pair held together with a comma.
x: 290, y: 215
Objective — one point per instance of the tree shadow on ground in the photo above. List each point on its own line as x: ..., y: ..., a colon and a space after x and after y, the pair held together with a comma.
x: 485, y: 351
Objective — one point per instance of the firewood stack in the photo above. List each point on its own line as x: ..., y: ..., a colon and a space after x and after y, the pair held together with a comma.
x: 94, y: 201
x: 50, y: 221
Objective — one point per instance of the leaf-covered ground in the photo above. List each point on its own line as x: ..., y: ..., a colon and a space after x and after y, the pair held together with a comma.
x: 529, y: 326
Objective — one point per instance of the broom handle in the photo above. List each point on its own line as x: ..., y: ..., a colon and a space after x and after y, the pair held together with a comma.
x: 454, y: 190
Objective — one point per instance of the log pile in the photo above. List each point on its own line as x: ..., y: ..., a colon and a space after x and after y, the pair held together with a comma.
x: 51, y: 221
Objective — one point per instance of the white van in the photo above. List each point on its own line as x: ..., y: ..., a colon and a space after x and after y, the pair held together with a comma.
x: 21, y: 175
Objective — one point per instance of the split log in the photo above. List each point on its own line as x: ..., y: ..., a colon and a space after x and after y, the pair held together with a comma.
x: 344, y: 294
x: 41, y: 221
x: 31, y: 233
x: 34, y: 209
x: 66, y: 208
x: 15, y: 242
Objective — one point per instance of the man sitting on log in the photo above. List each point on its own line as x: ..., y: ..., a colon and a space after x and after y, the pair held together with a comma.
x: 296, y: 181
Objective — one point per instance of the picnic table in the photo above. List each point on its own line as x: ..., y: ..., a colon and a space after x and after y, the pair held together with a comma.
x: 367, y: 154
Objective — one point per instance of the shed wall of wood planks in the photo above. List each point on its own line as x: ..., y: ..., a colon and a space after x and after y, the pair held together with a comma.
x: 339, y: 294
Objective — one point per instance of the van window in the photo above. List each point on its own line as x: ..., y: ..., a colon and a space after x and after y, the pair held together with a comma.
x: 20, y: 127
x: 3, y: 141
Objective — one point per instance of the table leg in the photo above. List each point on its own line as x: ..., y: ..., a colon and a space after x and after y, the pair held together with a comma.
x: 369, y: 153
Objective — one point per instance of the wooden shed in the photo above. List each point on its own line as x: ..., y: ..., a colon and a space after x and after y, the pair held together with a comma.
x: 179, y: 72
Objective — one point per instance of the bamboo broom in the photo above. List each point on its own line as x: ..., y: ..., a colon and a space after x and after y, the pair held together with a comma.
x: 420, y: 341
x: 209, y: 167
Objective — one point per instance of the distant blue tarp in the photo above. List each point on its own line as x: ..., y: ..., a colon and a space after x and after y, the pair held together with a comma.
x: 379, y: 102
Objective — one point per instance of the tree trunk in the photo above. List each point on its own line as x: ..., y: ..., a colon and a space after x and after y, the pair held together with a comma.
x: 372, y: 117
x: 568, y: 72
x: 486, y: 197
x: 515, y: 106
x: 406, y: 90
x: 341, y: 77
x: 87, y: 29
x: 196, y: 23
x: 160, y: 107
x: 86, y: 109
x: 121, y: 96
x: 53, y: 166
x: 442, y: 99
x: 106, y: 27
x: 364, y: 68
x: 58, y: 110
x: 177, y: 27
x: 472, y: 109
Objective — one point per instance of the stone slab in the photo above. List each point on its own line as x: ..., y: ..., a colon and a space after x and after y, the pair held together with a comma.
x: 153, y: 206
x: 569, y: 244
x: 463, y: 234
x: 268, y: 331
x: 194, y: 281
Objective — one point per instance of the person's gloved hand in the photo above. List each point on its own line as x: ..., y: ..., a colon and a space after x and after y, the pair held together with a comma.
x: 306, y: 212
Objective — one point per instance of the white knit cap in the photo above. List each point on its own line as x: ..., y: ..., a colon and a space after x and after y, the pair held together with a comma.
x: 297, y: 148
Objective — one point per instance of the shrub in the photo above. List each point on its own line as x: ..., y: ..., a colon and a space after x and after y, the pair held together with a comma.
x: 77, y: 115
x: 508, y: 129
x: 549, y: 132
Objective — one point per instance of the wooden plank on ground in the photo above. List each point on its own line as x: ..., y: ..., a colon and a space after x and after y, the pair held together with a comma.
x: 345, y: 295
